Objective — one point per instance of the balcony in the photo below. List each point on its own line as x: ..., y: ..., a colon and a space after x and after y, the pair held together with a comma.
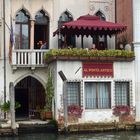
x: 28, y: 58
x: 40, y: 58
x: 89, y: 55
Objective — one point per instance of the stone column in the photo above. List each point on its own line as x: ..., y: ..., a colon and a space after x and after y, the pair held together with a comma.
x: 32, y: 23
x: 137, y: 79
x: 136, y: 42
x: 12, y: 107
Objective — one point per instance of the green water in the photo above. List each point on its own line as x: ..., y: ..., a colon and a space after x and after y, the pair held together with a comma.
x: 95, y: 136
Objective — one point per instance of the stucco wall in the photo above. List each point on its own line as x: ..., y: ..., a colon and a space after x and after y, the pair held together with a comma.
x: 123, y: 71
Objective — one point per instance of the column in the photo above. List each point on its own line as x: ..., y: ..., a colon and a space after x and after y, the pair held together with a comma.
x: 32, y: 23
x: 136, y: 41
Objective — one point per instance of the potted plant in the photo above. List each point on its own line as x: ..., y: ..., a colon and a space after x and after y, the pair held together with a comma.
x: 46, y: 113
x: 5, y: 107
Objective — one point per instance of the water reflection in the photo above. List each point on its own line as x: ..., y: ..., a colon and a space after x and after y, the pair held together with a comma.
x: 99, y: 136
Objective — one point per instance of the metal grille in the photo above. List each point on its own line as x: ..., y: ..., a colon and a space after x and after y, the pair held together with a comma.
x: 73, y: 93
x: 122, y: 93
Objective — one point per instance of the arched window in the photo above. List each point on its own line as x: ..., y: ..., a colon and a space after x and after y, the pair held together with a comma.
x: 101, y: 15
x: 22, y: 30
x: 101, y: 41
x: 68, y: 40
x: 41, y: 33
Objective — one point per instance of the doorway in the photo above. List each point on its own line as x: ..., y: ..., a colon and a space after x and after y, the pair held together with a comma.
x: 21, y: 96
x: 30, y: 93
x: 40, y: 35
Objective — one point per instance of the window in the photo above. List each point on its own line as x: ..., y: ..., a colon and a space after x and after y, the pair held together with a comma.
x: 73, y: 93
x: 97, y: 95
x: 22, y: 30
x: 41, y: 30
x: 101, y: 42
x: 122, y: 93
x: 67, y: 40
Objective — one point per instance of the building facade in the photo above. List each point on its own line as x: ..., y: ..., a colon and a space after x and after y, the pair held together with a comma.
x: 33, y: 23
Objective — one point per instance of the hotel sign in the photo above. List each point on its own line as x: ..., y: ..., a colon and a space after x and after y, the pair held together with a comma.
x: 98, y: 69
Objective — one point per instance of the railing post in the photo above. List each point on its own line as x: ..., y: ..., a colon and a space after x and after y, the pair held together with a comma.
x: 14, y: 59
x: 33, y: 58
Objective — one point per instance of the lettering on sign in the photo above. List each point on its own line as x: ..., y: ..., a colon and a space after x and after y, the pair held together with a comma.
x: 98, y: 69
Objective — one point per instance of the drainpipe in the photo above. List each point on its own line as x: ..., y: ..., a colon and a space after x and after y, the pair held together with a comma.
x: 116, y: 21
x: 4, y: 54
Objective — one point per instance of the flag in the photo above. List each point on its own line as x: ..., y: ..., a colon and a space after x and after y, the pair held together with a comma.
x: 11, y: 42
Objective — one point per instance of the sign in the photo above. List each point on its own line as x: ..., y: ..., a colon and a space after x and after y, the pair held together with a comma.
x: 98, y: 69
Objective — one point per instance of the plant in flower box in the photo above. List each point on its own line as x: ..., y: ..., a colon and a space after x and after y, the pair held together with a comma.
x: 74, y: 112
x: 46, y: 113
x: 123, y: 112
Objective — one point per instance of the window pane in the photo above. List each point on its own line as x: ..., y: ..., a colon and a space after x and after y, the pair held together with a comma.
x: 103, y: 95
x: 97, y: 95
x: 122, y: 93
x: 73, y: 93
x: 25, y: 37
x: 22, y: 17
x: 17, y: 36
x: 40, y: 18
x: 90, y: 95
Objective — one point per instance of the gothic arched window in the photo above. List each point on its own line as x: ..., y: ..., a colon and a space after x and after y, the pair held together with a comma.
x: 68, y: 40
x: 100, y: 41
x: 22, y: 30
x: 41, y: 29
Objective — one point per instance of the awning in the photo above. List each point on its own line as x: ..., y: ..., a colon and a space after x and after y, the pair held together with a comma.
x: 90, y: 25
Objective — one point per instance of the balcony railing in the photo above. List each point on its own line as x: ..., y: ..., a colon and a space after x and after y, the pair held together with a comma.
x: 28, y: 58
x: 35, y: 58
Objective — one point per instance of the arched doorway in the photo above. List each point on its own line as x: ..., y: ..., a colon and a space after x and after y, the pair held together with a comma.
x: 30, y: 93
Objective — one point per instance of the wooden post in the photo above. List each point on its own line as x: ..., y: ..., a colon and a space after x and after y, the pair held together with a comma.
x: 65, y: 105
x: 12, y: 107
x: 82, y: 43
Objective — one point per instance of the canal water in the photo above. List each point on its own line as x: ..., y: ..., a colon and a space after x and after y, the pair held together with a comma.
x: 125, y: 135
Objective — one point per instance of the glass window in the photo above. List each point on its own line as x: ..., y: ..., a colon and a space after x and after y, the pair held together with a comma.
x: 22, y: 17
x: 41, y: 30
x: 41, y: 18
x: 68, y: 40
x: 22, y: 30
x: 97, y: 95
x: 25, y: 37
x: 17, y: 36
x: 121, y: 93
x: 73, y: 93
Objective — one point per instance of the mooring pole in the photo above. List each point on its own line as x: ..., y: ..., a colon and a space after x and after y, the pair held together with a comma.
x: 4, y: 54
x: 12, y: 107
x: 65, y: 105
x: 65, y: 102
